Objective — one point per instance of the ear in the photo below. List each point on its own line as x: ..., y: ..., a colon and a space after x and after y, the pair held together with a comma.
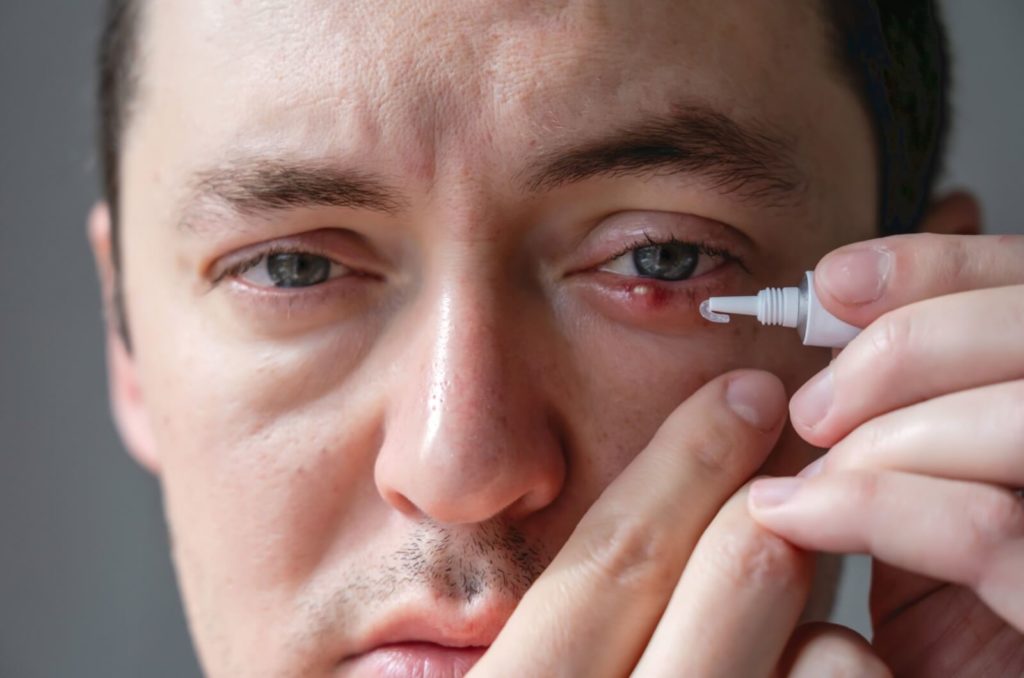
x: 956, y: 213
x: 126, y: 398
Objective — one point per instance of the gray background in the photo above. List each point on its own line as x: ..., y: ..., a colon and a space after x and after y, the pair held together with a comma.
x: 86, y: 587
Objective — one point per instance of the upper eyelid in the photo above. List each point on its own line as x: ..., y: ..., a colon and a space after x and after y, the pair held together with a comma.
x: 649, y: 241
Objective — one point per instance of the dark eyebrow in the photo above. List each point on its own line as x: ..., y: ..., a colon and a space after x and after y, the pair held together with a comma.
x: 263, y: 185
x: 749, y: 160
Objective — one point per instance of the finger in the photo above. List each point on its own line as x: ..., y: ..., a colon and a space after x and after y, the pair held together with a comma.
x: 914, y: 353
x: 820, y: 649
x: 592, y: 611
x: 860, y: 282
x: 961, y: 532
x: 969, y: 435
x: 736, y: 604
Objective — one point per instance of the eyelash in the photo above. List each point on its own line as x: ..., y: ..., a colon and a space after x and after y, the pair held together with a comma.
x: 248, y: 264
x: 702, y: 248
x: 647, y: 240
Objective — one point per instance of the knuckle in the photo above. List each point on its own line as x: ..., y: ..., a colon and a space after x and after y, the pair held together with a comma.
x: 862, y: 448
x: 958, y: 260
x: 862, y: 488
x: 755, y: 558
x: 713, y: 457
x: 630, y: 553
x: 955, y: 257
x: 891, y: 336
x: 994, y: 516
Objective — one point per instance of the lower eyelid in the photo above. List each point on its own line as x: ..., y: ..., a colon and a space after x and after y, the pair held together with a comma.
x: 664, y: 307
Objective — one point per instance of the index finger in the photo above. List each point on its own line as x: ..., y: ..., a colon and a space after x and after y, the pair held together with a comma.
x: 593, y: 610
x: 859, y: 282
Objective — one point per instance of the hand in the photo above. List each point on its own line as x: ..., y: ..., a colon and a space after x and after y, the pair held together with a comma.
x: 924, y: 415
x: 645, y: 585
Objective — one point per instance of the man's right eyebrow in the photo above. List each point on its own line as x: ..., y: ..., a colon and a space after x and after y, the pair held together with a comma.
x: 261, y: 186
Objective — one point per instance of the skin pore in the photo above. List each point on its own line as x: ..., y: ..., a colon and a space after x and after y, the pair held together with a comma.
x: 422, y: 430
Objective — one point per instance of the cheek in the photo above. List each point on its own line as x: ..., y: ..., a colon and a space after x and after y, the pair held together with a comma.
x: 264, y: 457
x: 627, y: 383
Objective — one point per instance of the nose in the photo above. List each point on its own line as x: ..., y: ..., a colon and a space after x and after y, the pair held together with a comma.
x: 470, y: 433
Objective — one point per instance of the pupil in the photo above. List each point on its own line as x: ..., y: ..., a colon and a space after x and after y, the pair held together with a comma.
x: 293, y: 269
x: 670, y: 261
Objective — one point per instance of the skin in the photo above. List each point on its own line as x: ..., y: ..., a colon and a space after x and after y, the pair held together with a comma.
x: 426, y: 437
x: 925, y: 446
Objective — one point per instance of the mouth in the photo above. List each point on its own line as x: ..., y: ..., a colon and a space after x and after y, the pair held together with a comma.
x: 424, y: 646
x: 415, y: 659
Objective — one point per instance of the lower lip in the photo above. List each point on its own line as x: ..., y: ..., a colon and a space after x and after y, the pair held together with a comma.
x: 415, y: 660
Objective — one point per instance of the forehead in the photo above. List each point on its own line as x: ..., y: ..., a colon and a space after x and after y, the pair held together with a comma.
x: 413, y: 78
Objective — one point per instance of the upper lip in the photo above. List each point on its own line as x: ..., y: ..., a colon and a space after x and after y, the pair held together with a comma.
x: 435, y: 625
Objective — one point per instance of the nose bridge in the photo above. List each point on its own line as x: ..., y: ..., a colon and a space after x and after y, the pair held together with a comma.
x: 467, y: 436
x: 467, y: 370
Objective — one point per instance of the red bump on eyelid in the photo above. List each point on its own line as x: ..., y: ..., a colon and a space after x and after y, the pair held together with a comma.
x: 655, y: 305
x: 644, y: 295
x: 648, y: 296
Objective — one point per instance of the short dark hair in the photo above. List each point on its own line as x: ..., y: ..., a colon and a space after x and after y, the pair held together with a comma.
x: 893, y: 53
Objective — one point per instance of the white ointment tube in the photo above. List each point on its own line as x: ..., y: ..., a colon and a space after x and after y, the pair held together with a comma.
x: 789, y: 307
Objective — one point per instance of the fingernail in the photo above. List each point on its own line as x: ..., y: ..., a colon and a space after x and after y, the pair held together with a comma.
x: 857, y: 275
x: 755, y: 397
x: 770, y: 492
x: 814, y: 399
x: 812, y: 469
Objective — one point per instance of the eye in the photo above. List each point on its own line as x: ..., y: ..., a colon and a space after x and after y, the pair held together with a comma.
x: 287, y: 270
x: 669, y: 260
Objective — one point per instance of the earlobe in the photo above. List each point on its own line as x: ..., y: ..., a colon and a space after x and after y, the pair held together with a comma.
x: 126, y: 398
x: 955, y: 213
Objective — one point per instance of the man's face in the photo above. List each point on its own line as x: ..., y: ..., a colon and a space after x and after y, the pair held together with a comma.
x: 410, y: 283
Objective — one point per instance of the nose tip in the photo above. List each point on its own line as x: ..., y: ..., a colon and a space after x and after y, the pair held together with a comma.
x: 469, y: 437
x: 474, y: 468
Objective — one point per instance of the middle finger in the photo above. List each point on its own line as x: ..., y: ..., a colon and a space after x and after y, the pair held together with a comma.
x: 970, y: 435
x: 912, y: 354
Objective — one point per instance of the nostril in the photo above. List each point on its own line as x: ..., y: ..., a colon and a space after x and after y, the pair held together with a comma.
x: 400, y: 502
x: 546, y: 486
x: 523, y: 506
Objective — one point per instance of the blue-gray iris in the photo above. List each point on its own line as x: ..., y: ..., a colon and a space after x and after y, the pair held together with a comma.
x: 667, y: 261
x: 297, y: 269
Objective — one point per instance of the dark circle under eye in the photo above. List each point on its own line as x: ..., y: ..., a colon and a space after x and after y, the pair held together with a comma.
x: 297, y: 269
x: 667, y: 261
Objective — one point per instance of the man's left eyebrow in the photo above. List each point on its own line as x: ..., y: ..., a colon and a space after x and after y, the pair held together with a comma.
x: 748, y: 160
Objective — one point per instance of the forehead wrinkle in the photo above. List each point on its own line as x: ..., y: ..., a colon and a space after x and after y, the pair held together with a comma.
x: 487, y: 95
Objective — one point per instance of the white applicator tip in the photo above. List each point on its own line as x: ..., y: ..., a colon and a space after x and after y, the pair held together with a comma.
x: 736, y: 305
x: 705, y: 310
x: 796, y: 307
